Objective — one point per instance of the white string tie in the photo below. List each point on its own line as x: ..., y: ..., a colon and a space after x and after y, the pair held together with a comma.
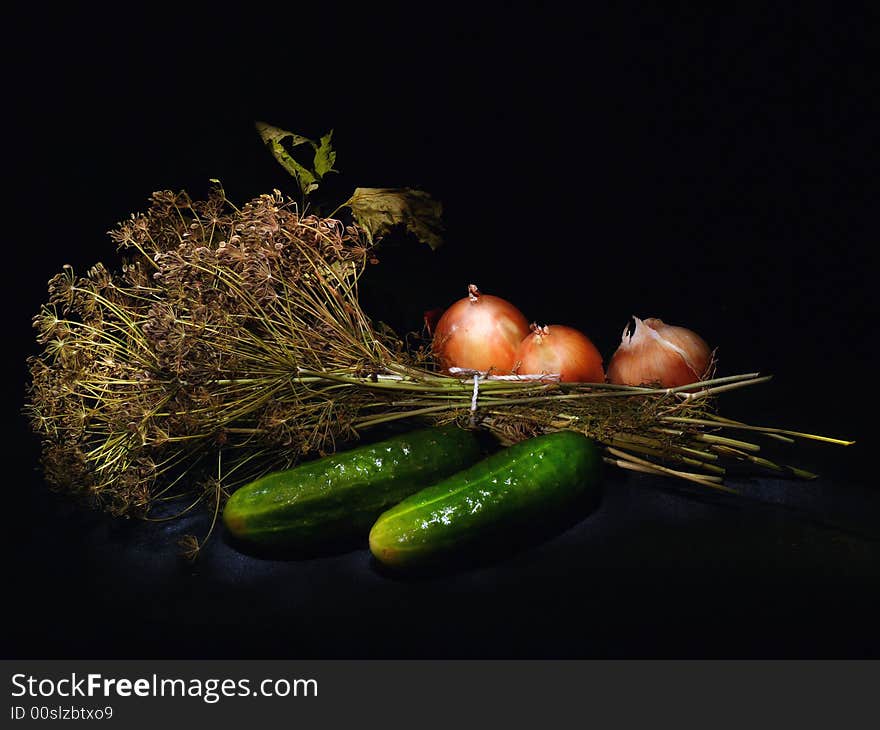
x: 479, y: 375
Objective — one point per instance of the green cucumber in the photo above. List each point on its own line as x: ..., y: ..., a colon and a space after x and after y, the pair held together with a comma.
x: 340, y: 496
x: 513, y: 487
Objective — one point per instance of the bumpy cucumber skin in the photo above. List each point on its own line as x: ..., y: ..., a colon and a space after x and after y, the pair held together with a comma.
x: 341, y: 495
x: 509, y: 488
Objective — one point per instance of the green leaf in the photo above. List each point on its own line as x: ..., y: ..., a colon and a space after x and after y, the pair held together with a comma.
x: 274, y: 134
x: 378, y: 210
x: 325, y: 155
x: 274, y: 137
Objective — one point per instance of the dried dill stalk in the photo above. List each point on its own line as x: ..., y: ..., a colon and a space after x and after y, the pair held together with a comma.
x: 232, y: 342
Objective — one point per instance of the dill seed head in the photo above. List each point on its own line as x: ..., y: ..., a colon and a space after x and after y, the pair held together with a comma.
x: 195, y: 344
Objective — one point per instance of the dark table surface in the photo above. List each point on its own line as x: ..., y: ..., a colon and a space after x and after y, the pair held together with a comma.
x: 788, y: 569
x: 715, y: 169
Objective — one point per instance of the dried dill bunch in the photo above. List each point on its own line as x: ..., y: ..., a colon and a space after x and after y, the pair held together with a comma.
x: 231, y: 342
x: 197, y: 353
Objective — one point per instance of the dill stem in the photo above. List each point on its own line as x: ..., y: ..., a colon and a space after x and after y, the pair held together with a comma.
x: 673, y: 452
x: 388, y: 418
x: 708, y: 481
x: 762, y: 429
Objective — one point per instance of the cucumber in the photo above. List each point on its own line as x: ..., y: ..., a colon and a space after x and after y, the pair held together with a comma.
x: 340, y: 496
x: 513, y: 487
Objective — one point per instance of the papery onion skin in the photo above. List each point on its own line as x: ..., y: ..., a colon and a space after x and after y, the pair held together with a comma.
x: 658, y: 353
x: 562, y: 350
x: 480, y: 332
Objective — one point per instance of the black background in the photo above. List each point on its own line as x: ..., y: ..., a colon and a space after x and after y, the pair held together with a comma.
x: 716, y: 168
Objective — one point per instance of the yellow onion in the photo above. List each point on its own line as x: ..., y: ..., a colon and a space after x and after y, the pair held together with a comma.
x: 479, y: 332
x: 656, y: 352
x: 560, y: 350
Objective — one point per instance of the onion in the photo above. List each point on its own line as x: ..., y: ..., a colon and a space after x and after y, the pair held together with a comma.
x: 479, y: 332
x: 655, y: 352
x: 563, y: 350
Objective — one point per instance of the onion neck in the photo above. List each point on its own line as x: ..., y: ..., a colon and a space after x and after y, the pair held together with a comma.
x: 648, y: 330
x: 539, y: 332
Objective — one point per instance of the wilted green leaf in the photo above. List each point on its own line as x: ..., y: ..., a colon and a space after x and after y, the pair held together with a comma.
x: 274, y: 134
x: 378, y: 210
x: 325, y: 156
